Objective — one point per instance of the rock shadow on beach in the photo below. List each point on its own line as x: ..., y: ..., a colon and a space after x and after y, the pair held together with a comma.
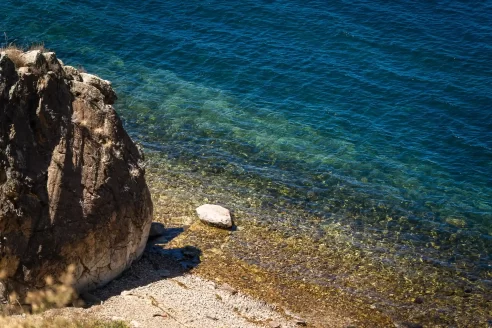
x: 156, y: 263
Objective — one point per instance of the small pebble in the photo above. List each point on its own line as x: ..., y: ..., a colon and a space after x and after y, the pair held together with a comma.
x: 163, y: 315
x: 211, y: 285
x: 289, y: 313
x: 135, y: 324
x: 298, y: 320
x: 274, y: 324
x: 228, y: 288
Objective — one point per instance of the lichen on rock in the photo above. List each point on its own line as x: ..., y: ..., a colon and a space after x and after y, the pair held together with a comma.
x: 72, y: 187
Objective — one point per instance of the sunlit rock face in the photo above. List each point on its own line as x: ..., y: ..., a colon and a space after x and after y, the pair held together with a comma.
x: 72, y: 185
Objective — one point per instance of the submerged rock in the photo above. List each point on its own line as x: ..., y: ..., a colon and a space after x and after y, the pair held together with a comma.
x: 72, y: 187
x: 215, y: 215
x: 457, y: 222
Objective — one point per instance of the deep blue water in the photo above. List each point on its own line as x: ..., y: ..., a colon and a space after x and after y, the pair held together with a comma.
x: 353, y: 104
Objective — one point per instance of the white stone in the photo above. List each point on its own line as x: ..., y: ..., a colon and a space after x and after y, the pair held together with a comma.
x: 135, y: 324
x: 215, y: 215
x: 228, y: 288
x: 116, y: 318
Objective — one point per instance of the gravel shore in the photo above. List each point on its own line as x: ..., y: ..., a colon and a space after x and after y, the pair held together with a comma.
x: 160, y: 292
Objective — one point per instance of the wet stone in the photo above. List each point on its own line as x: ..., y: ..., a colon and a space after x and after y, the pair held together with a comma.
x: 156, y: 230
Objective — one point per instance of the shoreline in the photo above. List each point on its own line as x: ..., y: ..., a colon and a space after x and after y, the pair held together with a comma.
x: 264, y: 264
x: 143, y: 297
x: 320, y: 277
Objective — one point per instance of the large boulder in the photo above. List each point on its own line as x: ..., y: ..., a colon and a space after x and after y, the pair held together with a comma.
x: 72, y: 186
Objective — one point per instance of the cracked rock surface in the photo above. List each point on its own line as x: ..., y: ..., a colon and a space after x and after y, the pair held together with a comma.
x: 72, y: 186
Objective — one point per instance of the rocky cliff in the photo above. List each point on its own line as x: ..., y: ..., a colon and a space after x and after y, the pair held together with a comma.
x: 72, y: 186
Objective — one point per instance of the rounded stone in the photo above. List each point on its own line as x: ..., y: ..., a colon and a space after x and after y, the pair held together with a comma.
x: 157, y: 229
x: 215, y: 215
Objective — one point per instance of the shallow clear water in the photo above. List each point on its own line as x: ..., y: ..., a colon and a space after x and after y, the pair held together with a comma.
x: 374, y: 114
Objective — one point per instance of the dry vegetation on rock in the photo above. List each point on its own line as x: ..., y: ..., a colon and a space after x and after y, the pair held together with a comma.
x: 15, y: 52
x: 15, y: 55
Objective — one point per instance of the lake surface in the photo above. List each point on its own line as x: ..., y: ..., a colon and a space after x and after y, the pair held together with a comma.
x: 375, y: 116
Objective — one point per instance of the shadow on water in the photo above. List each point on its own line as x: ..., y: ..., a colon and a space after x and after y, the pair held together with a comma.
x: 156, y: 263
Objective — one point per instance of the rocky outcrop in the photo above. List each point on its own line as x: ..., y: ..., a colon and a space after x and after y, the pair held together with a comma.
x: 72, y: 186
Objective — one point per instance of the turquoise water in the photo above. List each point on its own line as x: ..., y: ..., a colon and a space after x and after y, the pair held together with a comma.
x: 361, y: 110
